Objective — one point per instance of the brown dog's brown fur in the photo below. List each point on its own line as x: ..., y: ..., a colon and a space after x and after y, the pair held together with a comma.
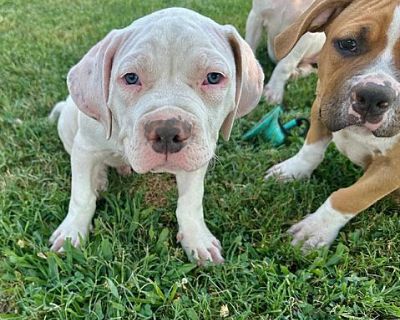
x: 382, y: 175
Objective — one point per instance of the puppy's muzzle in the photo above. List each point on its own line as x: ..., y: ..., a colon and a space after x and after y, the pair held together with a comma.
x: 370, y: 101
x: 168, y: 136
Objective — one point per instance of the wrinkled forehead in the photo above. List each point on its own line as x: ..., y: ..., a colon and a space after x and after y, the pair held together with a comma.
x: 375, y: 25
x: 373, y: 21
x: 175, y: 33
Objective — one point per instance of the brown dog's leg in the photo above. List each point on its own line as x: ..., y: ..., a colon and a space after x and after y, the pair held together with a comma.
x: 381, y: 178
x: 321, y: 228
x: 310, y: 155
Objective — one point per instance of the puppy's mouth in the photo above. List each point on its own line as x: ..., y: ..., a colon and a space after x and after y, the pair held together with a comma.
x: 191, y: 157
x: 372, y: 123
x: 170, y: 166
x: 338, y: 115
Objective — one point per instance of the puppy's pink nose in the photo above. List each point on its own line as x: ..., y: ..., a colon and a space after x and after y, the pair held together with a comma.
x: 167, y: 136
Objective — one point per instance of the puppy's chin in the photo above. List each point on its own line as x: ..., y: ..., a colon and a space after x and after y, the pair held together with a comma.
x: 146, y: 160
x: 382, y: 130
x: 336, y: 120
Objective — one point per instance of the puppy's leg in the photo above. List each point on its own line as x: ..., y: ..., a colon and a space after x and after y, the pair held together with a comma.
x: 309, y: 44
x: 321, y: 228
x: 310, y: 155
x: 100, y: 178
x: 84, y: 164
x: 194, y: 236
x: 254, y: 26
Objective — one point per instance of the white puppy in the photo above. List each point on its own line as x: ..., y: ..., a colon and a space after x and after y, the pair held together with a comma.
x: 275, y: 16
x: 153, y: 97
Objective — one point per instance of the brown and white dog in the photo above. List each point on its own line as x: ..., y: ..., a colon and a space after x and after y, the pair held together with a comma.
x: 154, y: 96
x: 275, y: 16
x: 357, y: 106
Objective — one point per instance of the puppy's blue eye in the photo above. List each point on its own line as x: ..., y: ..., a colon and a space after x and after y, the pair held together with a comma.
x: 131, y: 78
x: 214, y: 78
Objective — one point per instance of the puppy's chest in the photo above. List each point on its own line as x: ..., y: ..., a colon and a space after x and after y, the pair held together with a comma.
x: 360, y: 145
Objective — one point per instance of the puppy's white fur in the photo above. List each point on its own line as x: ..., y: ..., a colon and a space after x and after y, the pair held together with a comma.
x: 103, y: 122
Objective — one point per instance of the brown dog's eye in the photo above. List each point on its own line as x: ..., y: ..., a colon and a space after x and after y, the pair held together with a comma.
x: 131, y: 78
x: 348, y: 46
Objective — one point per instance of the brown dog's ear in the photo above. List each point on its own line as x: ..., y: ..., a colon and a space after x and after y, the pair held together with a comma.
x: 249, y: 80
x: 314, y: 19
x: 89, y: 80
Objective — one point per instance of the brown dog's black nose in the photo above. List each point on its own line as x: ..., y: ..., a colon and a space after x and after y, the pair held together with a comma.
x: 168, y: 136
x: 372, y: 99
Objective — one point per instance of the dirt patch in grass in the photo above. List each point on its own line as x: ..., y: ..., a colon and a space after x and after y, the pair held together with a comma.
x: 6, y: 306
x: 159, y: 188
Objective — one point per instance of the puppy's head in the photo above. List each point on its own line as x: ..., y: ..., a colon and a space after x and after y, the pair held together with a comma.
x: 166, y: 86
x: 359, y: 65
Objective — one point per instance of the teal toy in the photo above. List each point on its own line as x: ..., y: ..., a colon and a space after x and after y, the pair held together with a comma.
x: 271, y: 128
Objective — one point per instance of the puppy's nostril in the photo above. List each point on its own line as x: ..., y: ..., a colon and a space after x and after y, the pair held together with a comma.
x: 158, y: 138
x: 176, y: 139
x: 383, y: 105
x: 360, y: 99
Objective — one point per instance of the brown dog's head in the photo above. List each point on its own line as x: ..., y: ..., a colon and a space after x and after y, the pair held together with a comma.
x: 359, y: 65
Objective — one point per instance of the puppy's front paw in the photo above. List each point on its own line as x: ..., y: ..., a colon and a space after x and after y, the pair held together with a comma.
x: 318, y: 229
x: 294, y: 168
x: 125, y: 170
x: 200, y: 245
x: 273, y: 94
x: 68, y: 229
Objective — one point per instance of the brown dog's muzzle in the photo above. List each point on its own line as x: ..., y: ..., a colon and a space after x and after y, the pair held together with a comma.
x: 168, y: 136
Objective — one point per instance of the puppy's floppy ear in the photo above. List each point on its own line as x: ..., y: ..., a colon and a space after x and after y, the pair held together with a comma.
x: 249, y: 80
x: 89, y: 80
x: 315, y: 19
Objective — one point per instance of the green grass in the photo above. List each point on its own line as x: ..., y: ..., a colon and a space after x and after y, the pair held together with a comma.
x: 132, y: 267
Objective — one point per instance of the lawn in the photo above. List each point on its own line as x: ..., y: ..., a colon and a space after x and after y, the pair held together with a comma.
x: 132, y: 267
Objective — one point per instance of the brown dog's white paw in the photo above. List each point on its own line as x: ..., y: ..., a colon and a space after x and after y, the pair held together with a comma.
x: 294, y: 168
x: 300, y: 166
x: 318, y: 229
x: 201, y: 246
